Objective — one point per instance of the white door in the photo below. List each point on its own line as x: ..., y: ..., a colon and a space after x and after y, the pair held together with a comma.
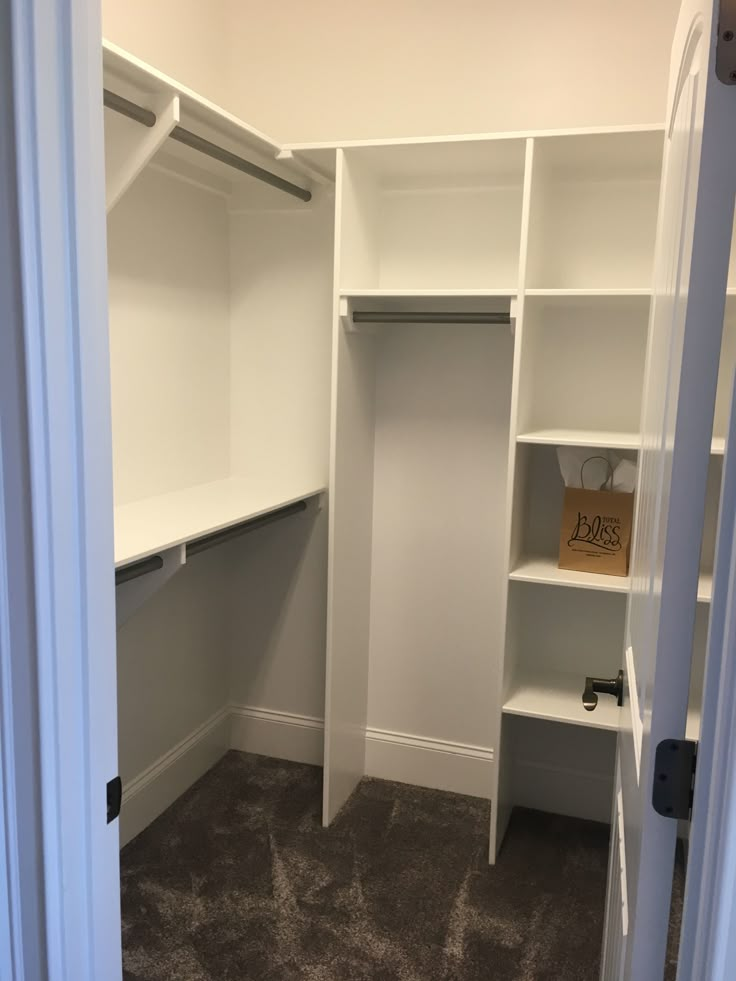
x: 691, y: 262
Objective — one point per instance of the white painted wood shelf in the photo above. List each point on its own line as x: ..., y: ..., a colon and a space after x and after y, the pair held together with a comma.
x: 705, y: 587
x: 559, y: 698
x: 564, y: 296
x: 543, y: 569
x: 152, y: 525
x: 582, y: 437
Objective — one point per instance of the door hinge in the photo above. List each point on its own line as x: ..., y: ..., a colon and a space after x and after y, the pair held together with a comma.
x: 114, y: 798
x: 726, y: 43
x: 674, y: 778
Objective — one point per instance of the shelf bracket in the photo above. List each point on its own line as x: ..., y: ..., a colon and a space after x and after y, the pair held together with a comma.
x: 306, y: 169
x: 345, y: 310
x: 512, y: 315
x: 125, y: 167
x: 131, y: 595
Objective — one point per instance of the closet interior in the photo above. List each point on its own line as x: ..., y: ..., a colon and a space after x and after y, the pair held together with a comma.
x: 335, y: 414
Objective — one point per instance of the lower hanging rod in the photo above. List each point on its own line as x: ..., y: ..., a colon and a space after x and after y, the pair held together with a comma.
x: 155, y: 562
x: 428, y: 317
x: 137, y: 569
x: 235, y: 531
x: 148, y: 118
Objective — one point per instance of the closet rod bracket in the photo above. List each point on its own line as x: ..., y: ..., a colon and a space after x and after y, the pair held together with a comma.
x: 137, y: 582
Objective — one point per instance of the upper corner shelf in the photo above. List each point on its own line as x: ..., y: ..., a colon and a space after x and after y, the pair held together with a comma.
x: 207, y: 143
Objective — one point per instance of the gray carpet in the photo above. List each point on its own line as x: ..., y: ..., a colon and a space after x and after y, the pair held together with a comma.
x: 237, y: 881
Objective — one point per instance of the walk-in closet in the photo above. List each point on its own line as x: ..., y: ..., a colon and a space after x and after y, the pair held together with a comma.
x: 340, y: 375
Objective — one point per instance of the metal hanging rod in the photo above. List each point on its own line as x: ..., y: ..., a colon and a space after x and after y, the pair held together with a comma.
x: 235, y: 531
x: 148, y: 118
x: 136, y: 569
x: 428, y: 317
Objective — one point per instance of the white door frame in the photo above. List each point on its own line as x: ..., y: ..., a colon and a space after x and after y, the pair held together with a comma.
x: 57, y: 87
x: 22, y: 953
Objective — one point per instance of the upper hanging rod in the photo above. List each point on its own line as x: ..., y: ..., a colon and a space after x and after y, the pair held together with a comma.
x: 148, y: 118
x: 428, y: 317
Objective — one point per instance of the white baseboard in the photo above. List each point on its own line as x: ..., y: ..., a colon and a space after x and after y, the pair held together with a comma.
x: 281, y: 735
x: 434, y: 763
x: 389, y: 755
x: 398, y: 756
x: 151, y: 792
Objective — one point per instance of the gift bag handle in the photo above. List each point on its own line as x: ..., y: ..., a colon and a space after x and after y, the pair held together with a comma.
x: 610, y: 471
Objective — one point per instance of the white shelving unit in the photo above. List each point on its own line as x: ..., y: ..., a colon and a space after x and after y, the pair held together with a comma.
x: 559, y: 230
x: 444, y: 489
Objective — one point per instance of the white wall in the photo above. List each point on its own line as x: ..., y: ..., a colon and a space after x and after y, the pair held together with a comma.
x: 169, y: 302
x: 185, y: 39
x: 443, y: 398
x: 347, y: 69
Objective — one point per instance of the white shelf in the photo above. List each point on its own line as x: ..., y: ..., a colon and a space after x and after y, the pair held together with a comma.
x: 692, y: 726
x: 147, y: 527
x: 582, y: 437
x: 718, y: 446
x: 565, y: 294
x: 559, y: 698
x: 323, y: 154
x: 544, y: 570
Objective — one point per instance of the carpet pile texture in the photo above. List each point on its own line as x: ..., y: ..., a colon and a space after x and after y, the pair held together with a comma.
x: 238, y: 881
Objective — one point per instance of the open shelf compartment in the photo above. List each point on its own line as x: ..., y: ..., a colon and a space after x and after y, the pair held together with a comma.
x: 557, y: 637
x: 594, y: 210
x: 415, y: 215
x: 583, y: 368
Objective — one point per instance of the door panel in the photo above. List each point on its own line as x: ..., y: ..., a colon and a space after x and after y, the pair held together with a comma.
x: 691, y: 261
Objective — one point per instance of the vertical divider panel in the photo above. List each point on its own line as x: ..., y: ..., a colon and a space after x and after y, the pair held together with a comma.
x: 501, y: 789
x: 351, y: 500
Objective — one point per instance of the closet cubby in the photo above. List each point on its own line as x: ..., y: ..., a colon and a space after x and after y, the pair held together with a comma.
x: 582, y: 370
x: 536, y: 516
x: 438, y: 217
x: 594, y: 210
x: 556, y: 637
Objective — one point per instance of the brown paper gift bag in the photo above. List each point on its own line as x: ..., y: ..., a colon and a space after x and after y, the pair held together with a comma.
x: 596, y: 530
